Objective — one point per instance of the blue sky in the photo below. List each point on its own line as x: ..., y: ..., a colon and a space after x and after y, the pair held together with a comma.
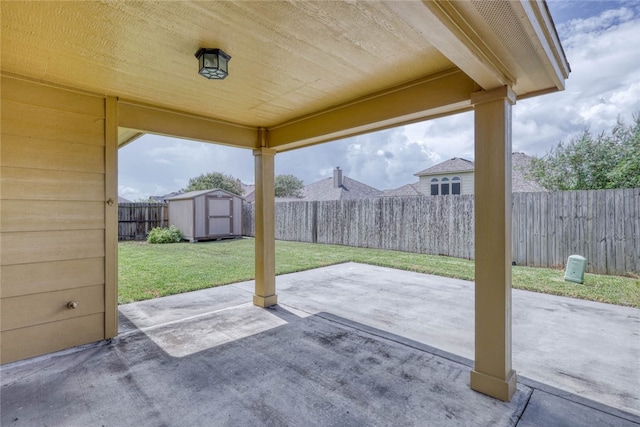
x: 600, y: 39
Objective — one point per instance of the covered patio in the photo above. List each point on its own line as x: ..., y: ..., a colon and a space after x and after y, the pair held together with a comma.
x: 353, y: 345
x: 80, y: 79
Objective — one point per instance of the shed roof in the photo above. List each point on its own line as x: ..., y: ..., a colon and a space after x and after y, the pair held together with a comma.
x: 194, y: 194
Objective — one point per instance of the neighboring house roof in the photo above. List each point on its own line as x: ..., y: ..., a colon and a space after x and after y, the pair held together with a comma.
x: 350, y: 189
x: 163, y: 199
x: 457, y: 164
x: 123, y: 200
x: 405, y: 190
x: 249, y: 192
x: 326, y: 190
x: 521, y: 182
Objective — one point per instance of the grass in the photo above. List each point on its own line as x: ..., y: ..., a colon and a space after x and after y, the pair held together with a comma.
x: 150, y: 271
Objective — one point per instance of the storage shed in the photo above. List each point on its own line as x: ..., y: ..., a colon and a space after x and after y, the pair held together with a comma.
x: 206, y: 214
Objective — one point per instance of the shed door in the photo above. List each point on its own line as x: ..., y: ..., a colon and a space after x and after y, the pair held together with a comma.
x: 219, y: 215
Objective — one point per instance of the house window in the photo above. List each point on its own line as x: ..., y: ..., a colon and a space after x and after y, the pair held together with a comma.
x: 455, y: 185
x: 444, y: 186
x: 434, y: 187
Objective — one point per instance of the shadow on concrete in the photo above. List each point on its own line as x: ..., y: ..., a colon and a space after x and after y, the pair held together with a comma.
x: 242, y: 365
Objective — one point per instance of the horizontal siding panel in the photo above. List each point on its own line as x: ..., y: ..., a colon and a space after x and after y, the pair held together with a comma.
x: 59, y: 121
x: 52, y: 186
x: 37, y: 184
x: 32, y: 215
x: 43, y: 246
x: 32, y: 131
x: 33, y: 341
x: 36, y: 309
x: 25, y: 120
x: 26, y: 152
x: 27, y: 92
x: 467, y: 183
x: 26, y: 279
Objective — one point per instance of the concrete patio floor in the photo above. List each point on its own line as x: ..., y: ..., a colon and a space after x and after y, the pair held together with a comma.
x: 347, y: 345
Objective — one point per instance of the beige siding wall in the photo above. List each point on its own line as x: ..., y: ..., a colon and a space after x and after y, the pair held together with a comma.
x: 466, y: 182
x: 52, y: 242
x: 424, y: 184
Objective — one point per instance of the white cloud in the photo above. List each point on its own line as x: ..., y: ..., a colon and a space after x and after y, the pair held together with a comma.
x: 157, y: 165
x: 602, y: 87
x: 164, y: 161
x: 129, y: 193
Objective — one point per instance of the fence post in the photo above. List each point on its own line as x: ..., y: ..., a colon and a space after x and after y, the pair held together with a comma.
x: 314, y: 222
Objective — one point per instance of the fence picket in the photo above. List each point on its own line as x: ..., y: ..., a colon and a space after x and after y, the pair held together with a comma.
x: 135, y: 220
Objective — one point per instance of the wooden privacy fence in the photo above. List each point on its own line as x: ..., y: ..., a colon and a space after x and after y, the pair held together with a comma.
x: 135, y: 220
x: 411, y: 224
x: 603, y: 226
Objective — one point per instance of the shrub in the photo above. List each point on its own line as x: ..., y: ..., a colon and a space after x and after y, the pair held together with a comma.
x: 164, y: 235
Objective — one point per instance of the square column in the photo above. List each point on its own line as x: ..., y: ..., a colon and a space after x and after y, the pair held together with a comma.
x: 492, y: 373
x: 265, y: 292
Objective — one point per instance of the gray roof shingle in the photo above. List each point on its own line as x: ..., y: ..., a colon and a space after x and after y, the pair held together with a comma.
x: 324, y: 190
x: 405, y: 190
x: 457, y: 164
x: 520, y: 181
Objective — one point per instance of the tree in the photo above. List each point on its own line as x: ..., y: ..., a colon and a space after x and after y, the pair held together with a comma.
x: 626, y: 174
x: 288, y: 186
x: 213, y: 180
x: 593, y: 163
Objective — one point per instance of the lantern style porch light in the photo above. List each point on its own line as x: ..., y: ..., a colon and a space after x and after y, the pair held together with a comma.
x: 213, y: 63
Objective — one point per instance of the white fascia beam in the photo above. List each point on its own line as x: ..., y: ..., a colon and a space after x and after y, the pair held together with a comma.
x: 543, y: 35
x: 446, y: 29
x: 446, y: 93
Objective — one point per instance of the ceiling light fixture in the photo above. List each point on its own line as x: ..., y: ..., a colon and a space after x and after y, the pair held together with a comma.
x: 213, y: 63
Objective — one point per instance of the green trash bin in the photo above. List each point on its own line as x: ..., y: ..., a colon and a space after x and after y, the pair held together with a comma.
x: 576, y: 265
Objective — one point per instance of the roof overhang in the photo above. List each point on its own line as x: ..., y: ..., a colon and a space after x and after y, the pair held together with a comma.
x: 301, y: 73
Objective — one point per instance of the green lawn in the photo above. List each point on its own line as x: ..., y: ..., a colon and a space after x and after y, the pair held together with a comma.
x: 149, y: 271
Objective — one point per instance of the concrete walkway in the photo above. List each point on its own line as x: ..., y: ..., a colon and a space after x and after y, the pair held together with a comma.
x: 347, y: 345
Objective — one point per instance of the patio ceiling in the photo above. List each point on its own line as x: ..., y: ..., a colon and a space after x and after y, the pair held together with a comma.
x: 308, y: 72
